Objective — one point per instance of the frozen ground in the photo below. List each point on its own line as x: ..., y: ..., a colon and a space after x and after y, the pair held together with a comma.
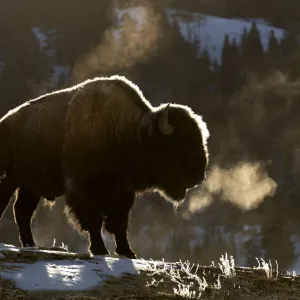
x: 66, y: 275
x: 44, y: 274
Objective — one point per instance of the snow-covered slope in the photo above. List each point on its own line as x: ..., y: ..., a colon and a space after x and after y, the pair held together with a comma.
x: 207, y: 31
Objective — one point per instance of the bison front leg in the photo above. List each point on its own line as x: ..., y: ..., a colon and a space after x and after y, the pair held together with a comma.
x: 85, y: 215
x: 116, y: 222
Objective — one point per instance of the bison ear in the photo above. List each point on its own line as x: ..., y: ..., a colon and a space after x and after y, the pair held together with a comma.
x: 163, y: 122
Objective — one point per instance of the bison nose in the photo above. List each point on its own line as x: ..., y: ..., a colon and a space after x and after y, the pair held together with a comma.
x: 197, y: 185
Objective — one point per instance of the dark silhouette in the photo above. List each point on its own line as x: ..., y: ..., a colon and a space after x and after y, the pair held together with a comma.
x: 97, y: 143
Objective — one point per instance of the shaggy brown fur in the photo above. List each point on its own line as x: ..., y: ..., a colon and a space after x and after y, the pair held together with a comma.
x: 98, y: 143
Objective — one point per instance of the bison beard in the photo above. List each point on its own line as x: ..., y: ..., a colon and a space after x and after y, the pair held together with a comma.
x: 98, y: 143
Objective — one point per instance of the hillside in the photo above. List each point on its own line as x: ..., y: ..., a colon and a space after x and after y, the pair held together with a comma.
x: 205, y: 31
x: 57, y: 274
x: 208, y: 31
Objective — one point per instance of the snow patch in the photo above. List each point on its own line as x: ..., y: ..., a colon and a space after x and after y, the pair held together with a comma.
x: 7, y: 247
x: 60, y: 73
x: 209, y: 31
x: 68, y: 275
x: 41, y: 36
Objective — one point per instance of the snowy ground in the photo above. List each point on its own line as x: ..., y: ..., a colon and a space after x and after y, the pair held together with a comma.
x: 41, y: 274
x: 66, y: 275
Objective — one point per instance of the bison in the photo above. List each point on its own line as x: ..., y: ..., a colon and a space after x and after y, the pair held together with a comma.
x: 99, y: 143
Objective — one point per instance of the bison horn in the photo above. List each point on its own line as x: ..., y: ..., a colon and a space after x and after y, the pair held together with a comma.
x: 163, y: 123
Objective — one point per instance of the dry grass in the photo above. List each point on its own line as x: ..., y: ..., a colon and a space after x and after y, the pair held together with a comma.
x: 180, y: 280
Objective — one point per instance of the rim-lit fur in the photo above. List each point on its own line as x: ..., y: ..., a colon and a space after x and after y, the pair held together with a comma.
x: 99, y: 143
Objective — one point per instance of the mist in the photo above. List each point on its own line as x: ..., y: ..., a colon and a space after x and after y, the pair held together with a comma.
x: 246, y: 185
x: 130, y: 41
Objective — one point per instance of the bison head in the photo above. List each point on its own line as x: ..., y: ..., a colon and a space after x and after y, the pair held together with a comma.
x: 175, y: 149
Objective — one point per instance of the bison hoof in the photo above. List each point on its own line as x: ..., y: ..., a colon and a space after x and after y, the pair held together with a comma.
x: 30, y: 245
x: 127, y: 253
x: 99, y: 252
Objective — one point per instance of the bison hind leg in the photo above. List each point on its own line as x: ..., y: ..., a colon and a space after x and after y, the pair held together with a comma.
x: 117, y: 225
x: 7, y: 189
x: 24, y: 207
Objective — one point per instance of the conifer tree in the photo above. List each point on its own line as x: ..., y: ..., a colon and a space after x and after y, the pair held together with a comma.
x: 253, y: 54
x: 244, y: 38
x: 236, y: 64
x: 229, y: 65
x: 204, y: 72
x: 273, y: 52
x: 290, y: 48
